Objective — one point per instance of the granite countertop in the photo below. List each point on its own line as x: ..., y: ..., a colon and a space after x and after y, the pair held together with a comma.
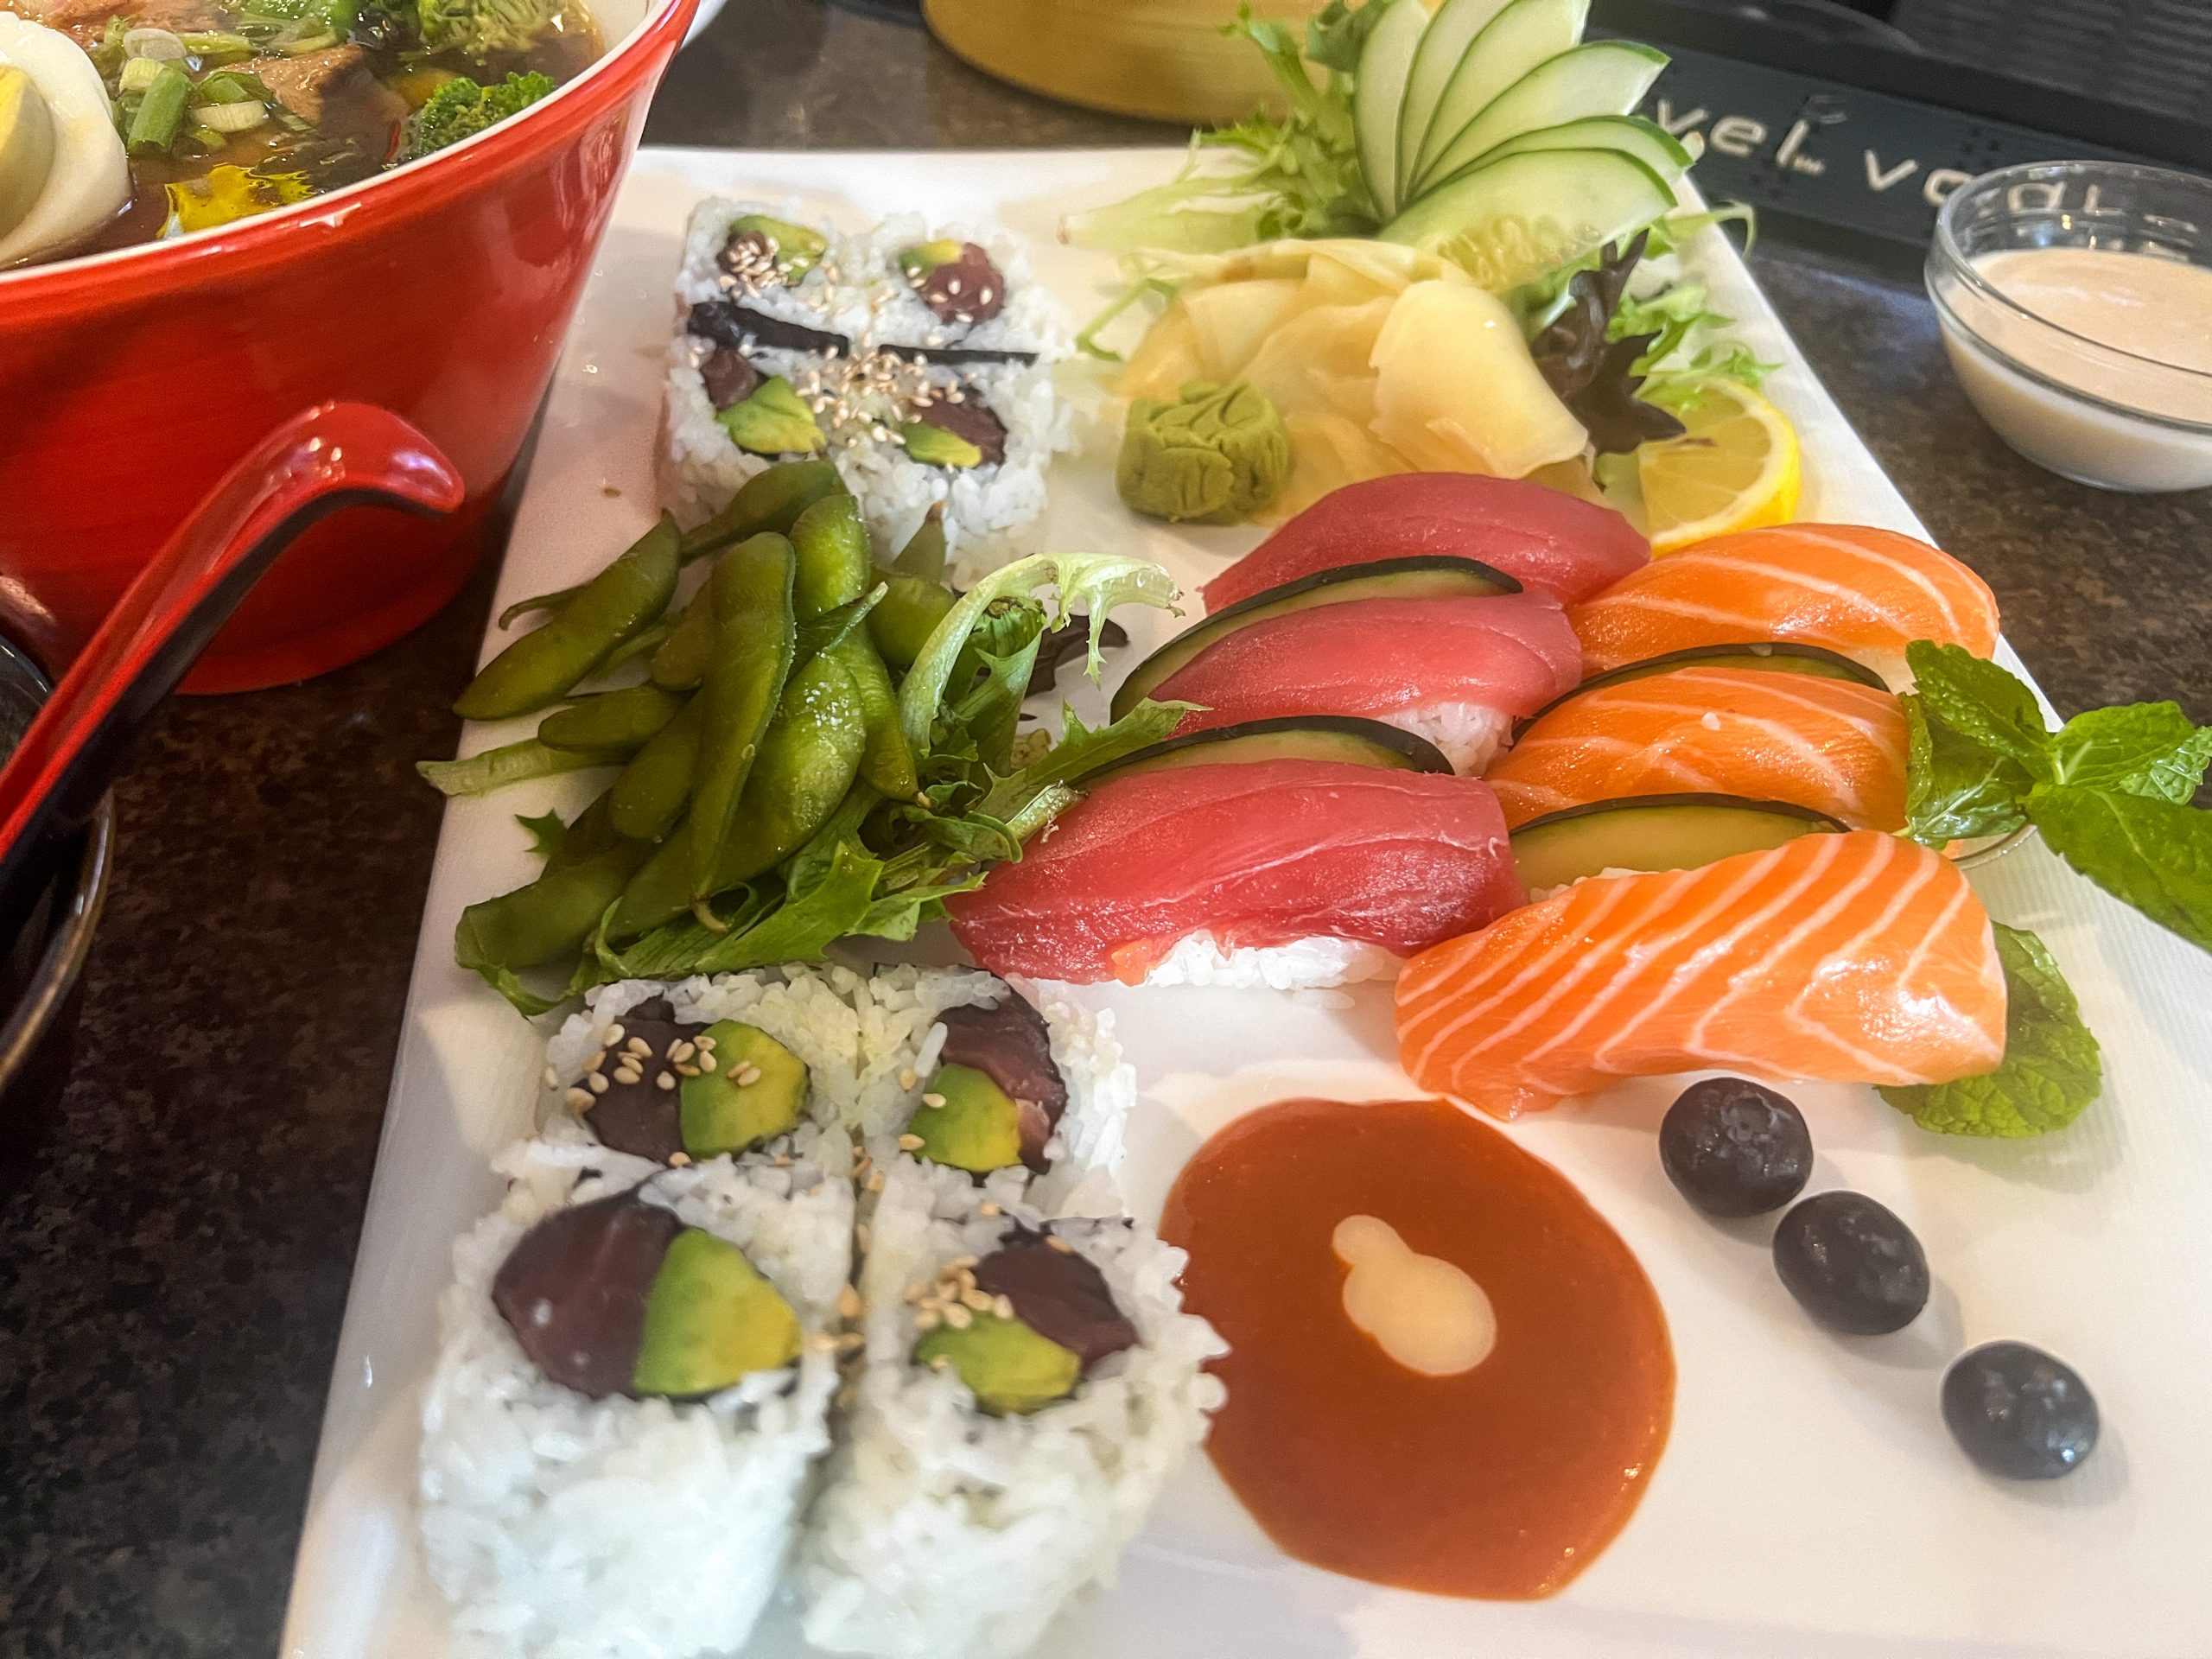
x: 174, y: 1260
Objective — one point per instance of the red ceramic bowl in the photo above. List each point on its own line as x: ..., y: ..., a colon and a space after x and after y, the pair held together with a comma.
x: 130, y: 381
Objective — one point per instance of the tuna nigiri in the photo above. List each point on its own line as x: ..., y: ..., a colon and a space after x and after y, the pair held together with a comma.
x: 1278, y: 872
x: 1556, y: 542
x: 1832, y: 745
x: 1865, y: 593
x: 1457, y: 671
x: 1859, y: 957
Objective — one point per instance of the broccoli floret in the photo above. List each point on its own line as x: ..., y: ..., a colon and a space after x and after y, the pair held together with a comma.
x: 479, y: 28
x: 462, y: 109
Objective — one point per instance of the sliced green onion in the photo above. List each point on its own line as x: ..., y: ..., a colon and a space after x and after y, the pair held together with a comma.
x: 208, y: 138
x: 308, y: 43
x: 139, y: 75
x: 219, y: 46
x: 161, y: 112
x: 231, y: 118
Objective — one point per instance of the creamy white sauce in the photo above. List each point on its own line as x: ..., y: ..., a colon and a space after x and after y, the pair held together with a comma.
x: 2156, y: 311
x: 1425, y: 1312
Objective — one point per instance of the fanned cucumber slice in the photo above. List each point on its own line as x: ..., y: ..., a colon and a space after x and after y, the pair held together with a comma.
x: 1631, y: 135
x: 1380, y: 92
x: 1509, y: 221
x: 1519, y: 38
x: 1603, y: 77
x: 1450, y: 33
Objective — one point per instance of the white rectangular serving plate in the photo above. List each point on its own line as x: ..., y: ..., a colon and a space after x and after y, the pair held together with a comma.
x: 1809, y: 1502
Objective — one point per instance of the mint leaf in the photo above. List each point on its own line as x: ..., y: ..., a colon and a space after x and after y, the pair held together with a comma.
x: 2154, y: 855
x: 2051, y: 1068
x: 1978, y: 700
x: 1955, y: 788
x: 2143, y: 748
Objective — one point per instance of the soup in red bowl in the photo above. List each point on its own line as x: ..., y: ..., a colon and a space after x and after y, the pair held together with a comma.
x: 439, y: 286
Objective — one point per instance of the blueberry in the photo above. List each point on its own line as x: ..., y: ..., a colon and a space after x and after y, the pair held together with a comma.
x: 1853, y: 1263
x: 2018, y: 1412
x: 1735, y: 1148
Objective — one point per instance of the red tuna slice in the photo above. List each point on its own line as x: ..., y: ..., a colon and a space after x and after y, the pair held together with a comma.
x: 1400, y: 660
x: 1566, y: 546
x: 1258, y: 854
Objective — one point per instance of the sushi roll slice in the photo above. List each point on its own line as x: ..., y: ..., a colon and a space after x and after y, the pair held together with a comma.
x: 633, y: 1382
x: 1028, y: 1387
x: 877, y: 351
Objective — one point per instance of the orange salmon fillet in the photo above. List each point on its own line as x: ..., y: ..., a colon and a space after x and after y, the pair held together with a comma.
x: 1856, y: 958
x: 1865, y: 593
x: 1834, y: 745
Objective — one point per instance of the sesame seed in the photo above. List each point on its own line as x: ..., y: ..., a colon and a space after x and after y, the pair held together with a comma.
x: 987, y: 1208
x: 707, y: 1064
x: 978, y: 1299
x: 664, y: 1081
x: 913, y: 1293
x: 821, y: 1342
x: 747, y: 1074
x: 875, y: 1181
x: 952, y: 284
x: 783, y: 1160
x: 640, y: 1047
x: 706, y: 1045
x: 910, y: 1143
x: 940, y: 1362
x: 615, y: 1035
x: 679, y: 1159
x: 628, y: 1075
x: 984, y: 298
x: 680, y: 1050
x: 596, y: 1061
x: 687, y: 1071
x: 579, y: 1100
x: 848, y: 1302
x: 927, y: 1319
x: 1059, y: 1244
x: 597, y: 1082
x: 935, y: 1102
x: 1003, y: 1307
x: 958, y: 1317
x: 960, y: 1262
x: 907, y: 1079
x: 552, y: 1078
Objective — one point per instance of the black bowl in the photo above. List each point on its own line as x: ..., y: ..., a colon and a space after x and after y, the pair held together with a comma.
x: 41, y: 966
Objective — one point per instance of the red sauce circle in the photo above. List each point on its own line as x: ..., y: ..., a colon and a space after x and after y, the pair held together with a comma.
x: 1503, y: 1482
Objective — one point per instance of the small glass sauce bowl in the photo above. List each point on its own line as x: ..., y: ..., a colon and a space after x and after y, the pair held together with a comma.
x: 2083, y: 408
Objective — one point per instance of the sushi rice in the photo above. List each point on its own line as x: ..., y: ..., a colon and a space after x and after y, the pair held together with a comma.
x: 561, y: 1526
x: 945, y: 1531
x: 858, y: 290
x: 1303, y: 964
x: 567, y: 1527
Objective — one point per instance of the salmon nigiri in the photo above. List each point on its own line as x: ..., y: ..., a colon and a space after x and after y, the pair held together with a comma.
x: 1456, y: 670
x: 1547, y: 539
x: 1283, y: 872
x: 1859, y: 957
x: 1866, y: 593
x: 1834, y: 746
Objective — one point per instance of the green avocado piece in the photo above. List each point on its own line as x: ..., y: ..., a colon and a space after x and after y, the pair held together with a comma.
x: 720, y: 1112
x: 977, y: 1128
x: 935, y: 447
x: 773, y: 421
x: 1007, y: 1366
x: 926, y: 257
x: 710, y: 1320
x: 797, y: 249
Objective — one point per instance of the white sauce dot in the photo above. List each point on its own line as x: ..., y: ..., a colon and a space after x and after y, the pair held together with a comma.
x: 1423, y: 1312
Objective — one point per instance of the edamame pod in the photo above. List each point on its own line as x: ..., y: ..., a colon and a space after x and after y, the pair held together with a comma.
x: 808, y: 761
x: 902, y: 624
x: 648, y: 798
x: 545, y: 664
x: 887, y: 760
x: 754, y: 639
x: 592, y: 834
x: 768, y: 501
x: 681, y: 662
x: 830, y: 542
x: 548, y: 919
x: 924, y: 552
x: 614, y: 722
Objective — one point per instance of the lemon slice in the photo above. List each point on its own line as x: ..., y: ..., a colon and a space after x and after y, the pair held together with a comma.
x: 1736, y: 469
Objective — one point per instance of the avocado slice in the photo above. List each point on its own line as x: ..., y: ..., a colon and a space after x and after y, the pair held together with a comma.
x: 722, y: 1111
x: 1428, y: 576
x: 1007, y: 1366
x: 773, y: 421
x: 926, y: 257
x: 710, y: 1320
x: 933, y: 445
x: 1345, y: 737
x: 797, y: 250
x: 979, y: 1126
x: 27, y: 146
x: 1771, y: 657
x: 1655, y: 832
